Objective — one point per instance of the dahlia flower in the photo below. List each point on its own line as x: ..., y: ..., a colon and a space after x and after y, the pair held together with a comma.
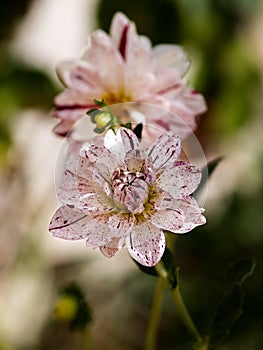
x: 124, y: 67
x: 117, y: 193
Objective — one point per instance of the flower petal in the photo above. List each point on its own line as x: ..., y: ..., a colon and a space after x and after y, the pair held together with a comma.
x: 103, y: 55
x: 108, y: 251
x: 186, y: 103
x: 79, y: 75
x: 193, y: 215
x: 180, y: 180
x: 73, y: 224
x: 133, y: 48
x: 121, y: 224
x: 112, y: 247
x: 171, y: 219
x: 146, y: 244
x: 174, y: 56
x: 165, y: 150
x: 63, y: 127
x: 105, y: 161
x: 66, y: 222
x: 128, y: 139
x: 120, y: 144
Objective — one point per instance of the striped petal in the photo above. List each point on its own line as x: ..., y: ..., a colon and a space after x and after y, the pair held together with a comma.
x: 165, y: 150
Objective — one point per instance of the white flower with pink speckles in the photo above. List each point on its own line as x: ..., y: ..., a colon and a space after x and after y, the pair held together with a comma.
x: 124, y: 67
x: 116, y: 194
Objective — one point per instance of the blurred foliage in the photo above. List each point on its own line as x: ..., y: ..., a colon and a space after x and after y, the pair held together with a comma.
x: 21, y: 86
x: 72, y: 308
x: 210, y: 30
x: 10, y: 13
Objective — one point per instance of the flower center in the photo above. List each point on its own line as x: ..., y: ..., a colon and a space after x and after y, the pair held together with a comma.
x: 116, y: 97
x: 130, y: 191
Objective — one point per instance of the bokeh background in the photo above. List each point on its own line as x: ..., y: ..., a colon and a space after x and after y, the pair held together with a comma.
x: 224, y: 41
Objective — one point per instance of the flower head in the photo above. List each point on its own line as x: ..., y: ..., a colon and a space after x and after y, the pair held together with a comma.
x: 123, y: 67
x: 116, y: 194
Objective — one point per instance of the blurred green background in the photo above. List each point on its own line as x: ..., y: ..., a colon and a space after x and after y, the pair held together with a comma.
x: 224, y: 42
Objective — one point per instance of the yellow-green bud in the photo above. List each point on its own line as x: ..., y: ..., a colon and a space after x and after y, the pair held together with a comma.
x: 66, y: 308
x: 102, y: 120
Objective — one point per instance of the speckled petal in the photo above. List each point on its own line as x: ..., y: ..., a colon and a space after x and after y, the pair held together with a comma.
x: 171, y: 219
x: 105, y: 161
x: 121, y: 224
x: 96, y: 203
x: 115, y: 245
x: 72, y: 224
x: 165, y: 150
x: 146, y: 244
x: 108, y: 251
x: 193, y: 214
x: 65, y: 223
x: 180, y: 180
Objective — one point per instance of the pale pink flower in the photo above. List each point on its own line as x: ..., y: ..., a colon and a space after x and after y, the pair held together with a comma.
x: 124, y: 67
x: 117, y: 194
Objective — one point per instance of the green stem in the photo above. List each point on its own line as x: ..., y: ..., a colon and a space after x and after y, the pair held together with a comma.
x: 184, y: 314
x: 151, y: 335
x: 180, y: 305
x: 85, y: 339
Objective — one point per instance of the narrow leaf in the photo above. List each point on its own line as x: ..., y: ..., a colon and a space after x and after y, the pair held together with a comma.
x: 229, y: 299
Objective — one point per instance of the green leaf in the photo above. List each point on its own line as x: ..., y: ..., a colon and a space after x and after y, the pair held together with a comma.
x: 93, y: 112
x: 229, y: 299
x: 100, y: 103
x: 138, y: 130
x: 207, y: 172
x: 127, y: 125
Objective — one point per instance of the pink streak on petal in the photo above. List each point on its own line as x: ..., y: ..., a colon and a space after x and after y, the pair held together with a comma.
x: 63, y: 223
x: 165, y: 150
x: 123, y: 42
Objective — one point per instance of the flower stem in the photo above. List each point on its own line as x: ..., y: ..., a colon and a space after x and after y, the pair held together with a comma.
x: 85, y: 339
x: 184, y: 314
x: 151, y: 335
x: 180, y: 305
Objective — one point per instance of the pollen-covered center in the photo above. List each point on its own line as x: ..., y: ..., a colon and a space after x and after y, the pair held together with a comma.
x: 116, y: 97
x: 130, y: 190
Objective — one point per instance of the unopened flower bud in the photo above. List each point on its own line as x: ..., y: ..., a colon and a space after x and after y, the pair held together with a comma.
x: 102, y: 120
x: 66, y: 308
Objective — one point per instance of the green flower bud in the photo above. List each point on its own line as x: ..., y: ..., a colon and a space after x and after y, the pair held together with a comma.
x: 102, y: 120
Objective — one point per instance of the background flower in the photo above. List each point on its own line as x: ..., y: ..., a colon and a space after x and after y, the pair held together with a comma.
x: 116, y: 195
x: 123, y: 67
